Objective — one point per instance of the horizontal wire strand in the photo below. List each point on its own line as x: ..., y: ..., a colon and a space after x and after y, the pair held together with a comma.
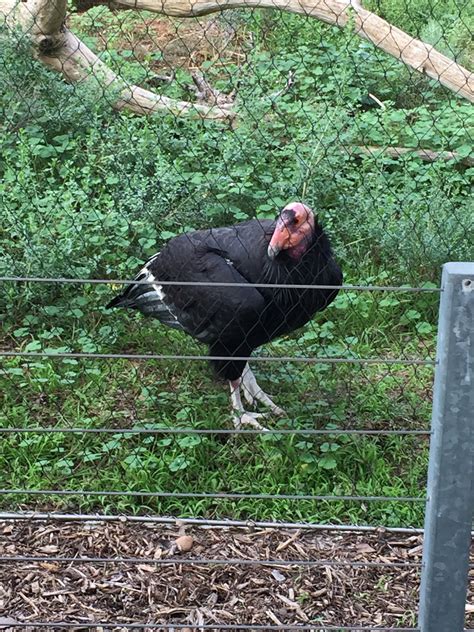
x: 153, y: 356
x: 210, y: 495
x: 201, y: 561
x: 205, y: 523
x: 314, y: 627
x: 370, y: 288
x: 212, y: 431
x: 208, y: 357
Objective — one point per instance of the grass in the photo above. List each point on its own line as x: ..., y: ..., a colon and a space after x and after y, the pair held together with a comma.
x: 90, y: 193
x: 159, y: 395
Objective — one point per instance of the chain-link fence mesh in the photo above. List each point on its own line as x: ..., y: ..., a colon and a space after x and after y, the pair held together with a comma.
x: 160, y: 126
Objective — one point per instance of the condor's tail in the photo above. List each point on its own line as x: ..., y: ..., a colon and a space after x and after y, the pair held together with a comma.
x: 148, y: 297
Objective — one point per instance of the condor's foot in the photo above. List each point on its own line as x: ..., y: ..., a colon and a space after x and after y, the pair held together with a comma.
x: 240, y: 416
x: 244, y: 418
x: 253, y: 393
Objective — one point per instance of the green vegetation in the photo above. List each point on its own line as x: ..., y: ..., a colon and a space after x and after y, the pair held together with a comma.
x: 89, y: 192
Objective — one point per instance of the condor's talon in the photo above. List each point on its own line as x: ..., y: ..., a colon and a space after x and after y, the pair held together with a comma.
x: 253, y: 393
x: 241, y: 417
x: 250, y: 399
x: 248, y: 419
x: 279, y: 412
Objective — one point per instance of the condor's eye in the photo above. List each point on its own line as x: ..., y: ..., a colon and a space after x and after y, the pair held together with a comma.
x: 290, y: 220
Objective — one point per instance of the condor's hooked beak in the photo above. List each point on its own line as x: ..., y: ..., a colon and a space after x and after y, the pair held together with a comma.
x: 281, y: 236
x: 273, y: 250
x: 294, y: 226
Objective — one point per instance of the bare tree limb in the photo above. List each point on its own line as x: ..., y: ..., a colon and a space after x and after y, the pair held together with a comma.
x: 205, y: 93
x: 376, y: 100
x: 76, y: 61
x: 426, y: 155
x: 42, y: 19
x: 60, y: 49
x: 49, y: 18
x: 414, y: 53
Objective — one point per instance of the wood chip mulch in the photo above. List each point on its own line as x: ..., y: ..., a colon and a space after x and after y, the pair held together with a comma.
x: 144, y: 591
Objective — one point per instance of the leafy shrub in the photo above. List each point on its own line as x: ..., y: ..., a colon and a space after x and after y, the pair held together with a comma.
x: 86, y: 191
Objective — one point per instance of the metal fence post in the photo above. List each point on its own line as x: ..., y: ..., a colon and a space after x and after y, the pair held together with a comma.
x: 450, y: 502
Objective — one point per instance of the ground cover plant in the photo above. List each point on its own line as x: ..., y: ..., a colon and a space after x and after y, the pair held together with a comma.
x: 87, y: 192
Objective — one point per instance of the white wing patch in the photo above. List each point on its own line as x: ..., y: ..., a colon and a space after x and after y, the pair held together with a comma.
x: 148, y: 276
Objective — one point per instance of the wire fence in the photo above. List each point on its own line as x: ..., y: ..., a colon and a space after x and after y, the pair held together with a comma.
x: 161, y: 169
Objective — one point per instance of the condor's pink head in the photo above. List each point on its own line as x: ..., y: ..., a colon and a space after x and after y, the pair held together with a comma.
x: 293, y: 232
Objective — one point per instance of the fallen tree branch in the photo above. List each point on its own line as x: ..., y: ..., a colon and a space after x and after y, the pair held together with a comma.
x: 290, y: 82
x: 205, y: 93
x: 67, y: 54
x: 46, y: 27
x: 426, y: 155
x: 414, y: 53
x: 59, y: 48
x: 76, y: 61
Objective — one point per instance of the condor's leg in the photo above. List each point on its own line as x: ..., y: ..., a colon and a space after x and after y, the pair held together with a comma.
x: 241, y: 417
x: 253, y: 393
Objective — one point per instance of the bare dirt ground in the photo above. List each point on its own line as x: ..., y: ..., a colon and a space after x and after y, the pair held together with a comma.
x: 173, y: 43
x: 150, y: 588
